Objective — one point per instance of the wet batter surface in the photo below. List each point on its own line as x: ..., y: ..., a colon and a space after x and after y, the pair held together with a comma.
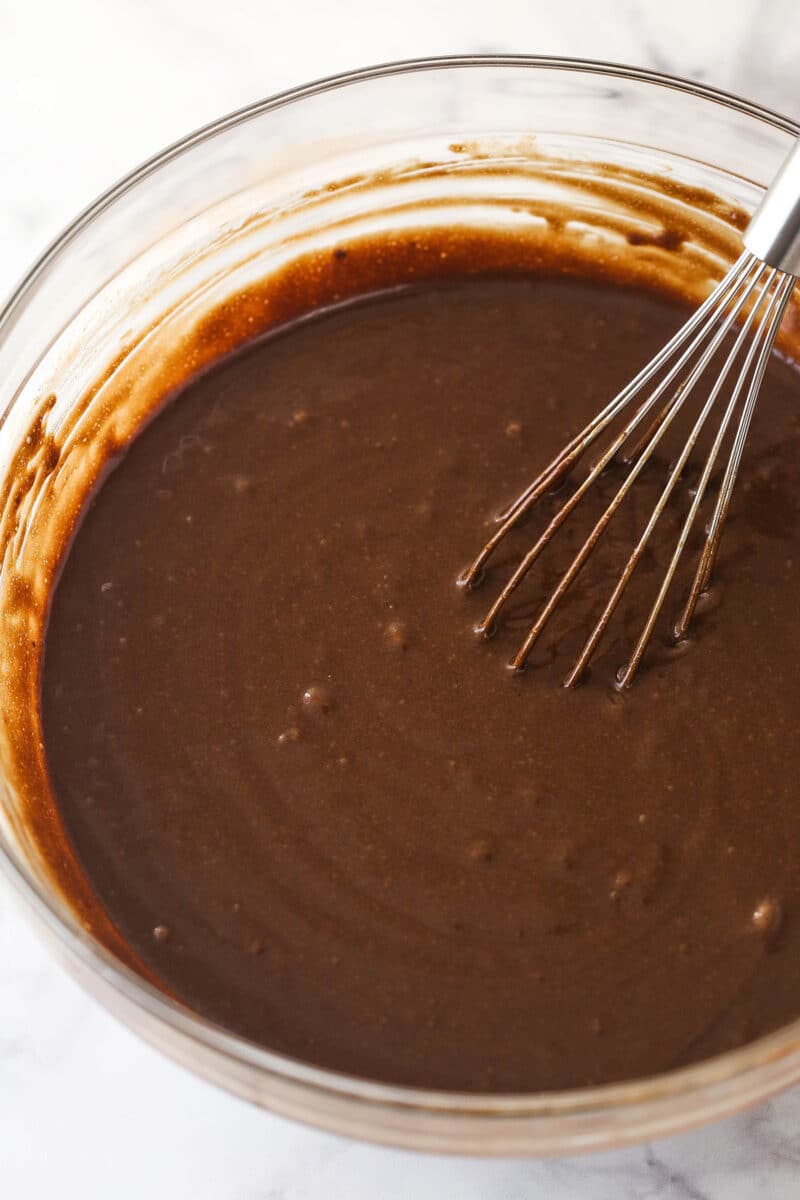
x: 326, y: 815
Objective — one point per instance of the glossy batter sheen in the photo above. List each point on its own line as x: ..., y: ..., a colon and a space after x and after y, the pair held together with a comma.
x: 326, y: 815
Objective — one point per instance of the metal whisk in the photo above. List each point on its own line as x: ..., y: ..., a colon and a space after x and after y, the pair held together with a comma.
x: 752, y: 299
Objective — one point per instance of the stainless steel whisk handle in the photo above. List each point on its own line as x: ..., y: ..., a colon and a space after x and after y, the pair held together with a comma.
x: 773, y: 234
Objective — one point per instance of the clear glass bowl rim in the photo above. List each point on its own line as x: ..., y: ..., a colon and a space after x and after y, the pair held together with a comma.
x: 726, y: 1069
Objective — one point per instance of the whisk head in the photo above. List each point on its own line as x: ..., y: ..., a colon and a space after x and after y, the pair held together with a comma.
x: 748, y: 304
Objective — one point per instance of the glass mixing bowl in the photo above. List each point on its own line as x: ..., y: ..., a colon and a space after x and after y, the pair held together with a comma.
x: 222, y: 208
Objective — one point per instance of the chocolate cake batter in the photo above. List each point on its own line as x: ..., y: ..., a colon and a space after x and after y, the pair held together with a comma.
x: 325, y: 815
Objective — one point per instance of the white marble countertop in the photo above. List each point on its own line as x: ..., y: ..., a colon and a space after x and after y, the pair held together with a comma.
x: 87, y: 89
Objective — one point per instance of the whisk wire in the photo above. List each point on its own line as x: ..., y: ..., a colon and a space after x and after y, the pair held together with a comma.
x: 752, y: 295
x: 772, y: 322
x: 661, y: 423
x: 578, y: 669
x: 660, y: 429
x: 626, y: 673
x: 563, y: 463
